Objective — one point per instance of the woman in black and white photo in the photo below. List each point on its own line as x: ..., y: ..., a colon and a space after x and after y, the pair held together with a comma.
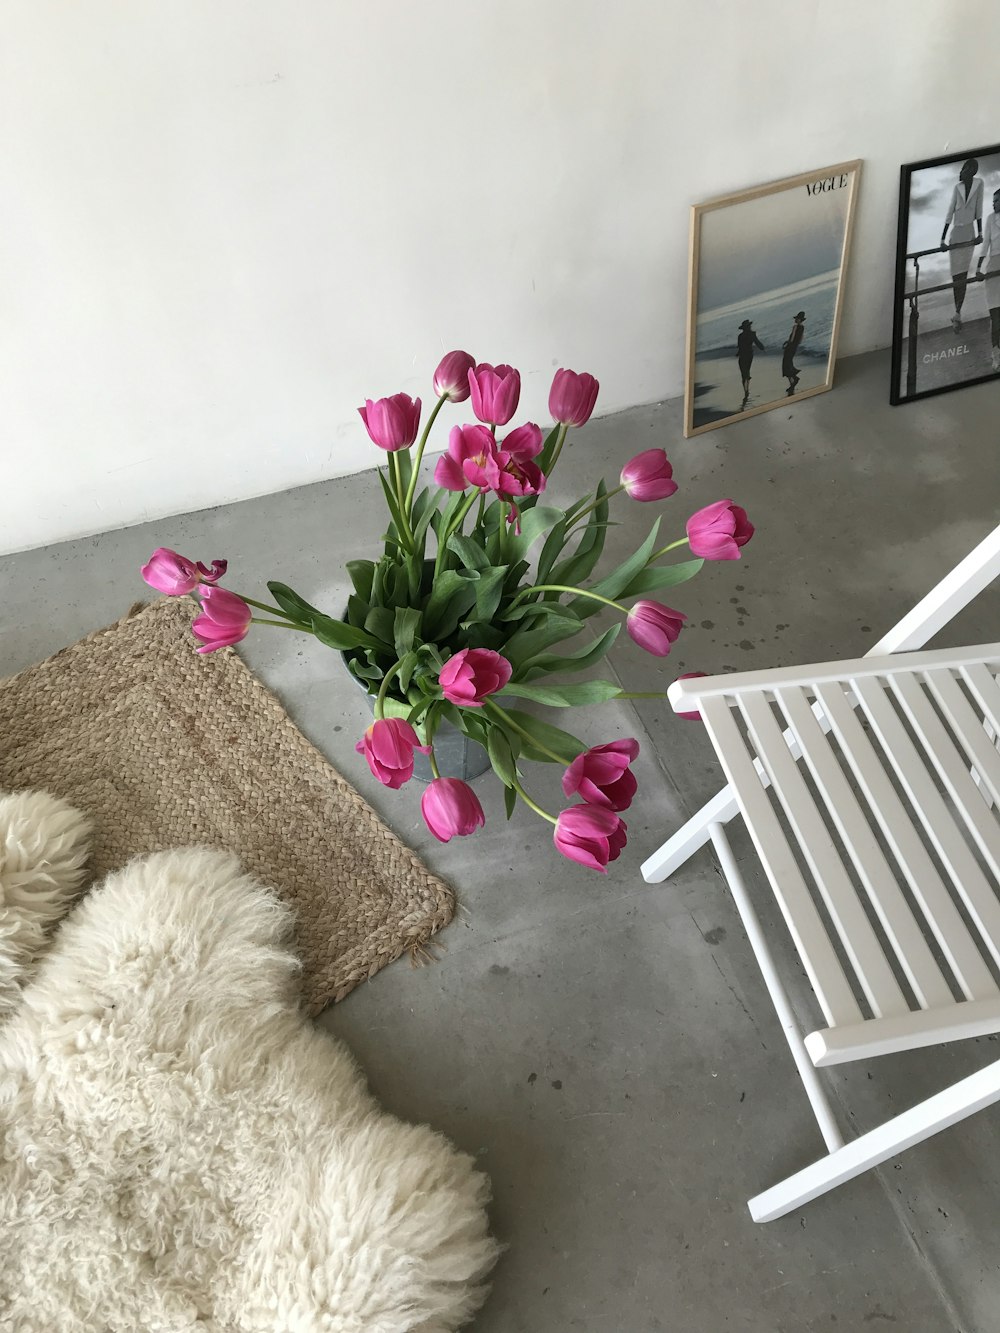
x: 965, y: 218
x: 746, y: 341
x: 790, y: 347
x: 989, y: 268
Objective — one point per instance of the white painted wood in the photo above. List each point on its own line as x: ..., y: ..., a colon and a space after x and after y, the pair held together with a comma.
x: 820, y: 854
x: 907, y: 1032
x: 823, y: 968
x: 952, y: 768
x: 845, y: 813
x: 939, y: 825
x: 955, y: 591
x: 779, y: 997
x: 968, y: 727
x: 687, y: 695
x: 945, y: 1108
x: 919, y: 870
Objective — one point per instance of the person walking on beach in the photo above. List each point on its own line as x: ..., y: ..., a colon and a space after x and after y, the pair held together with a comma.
x: 790, y: 347
x: 989, y: 268
x: 965, y: 218
x: 746, y: 341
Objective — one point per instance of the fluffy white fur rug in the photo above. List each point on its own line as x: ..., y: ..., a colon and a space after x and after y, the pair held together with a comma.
x: 179, y: 1147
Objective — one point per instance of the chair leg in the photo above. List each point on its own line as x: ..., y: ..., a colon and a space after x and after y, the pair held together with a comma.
x: 694, y: 834
x: 945, y: 1108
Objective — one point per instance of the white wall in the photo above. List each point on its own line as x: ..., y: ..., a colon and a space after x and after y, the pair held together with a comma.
x: 223, y: 223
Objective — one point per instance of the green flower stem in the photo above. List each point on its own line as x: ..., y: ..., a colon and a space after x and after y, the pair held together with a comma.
x: 584, y: 512
x: 263, y: 606
x: 384, y: 689
x: 397, y: 481
x: 508, y: 721
x: 432, y: 758
x: 577, y: 592
x: 412, y: 488
x: 683, y: 541
x: 532, y: 804
x: 557, y: 450
x: 282, y: 624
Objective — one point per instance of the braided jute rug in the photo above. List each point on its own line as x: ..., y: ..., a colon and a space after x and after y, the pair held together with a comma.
x: 165, y: 747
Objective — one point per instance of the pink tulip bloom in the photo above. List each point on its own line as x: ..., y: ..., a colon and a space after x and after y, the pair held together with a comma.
x: 388, y: 745
x: 451, y: 379
x: 591, y: 835
x: 175, y: 575
x: 469, y: 461
x: 648, y: 476
x: 451, y: 809
x: 392, y: 422
x: 495, y: 393
x: 601, y: 775
x: 694, y: 715
x: 655, y: 627
x: 510, y: 478
x: 224, y: 619
x: 472, y: 675
x: 572, y: 397
x: 524, y: 443
x: 719, y: 530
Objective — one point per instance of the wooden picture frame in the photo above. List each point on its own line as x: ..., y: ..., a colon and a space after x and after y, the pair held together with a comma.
x: 760, y: 253
x: 944, y: 335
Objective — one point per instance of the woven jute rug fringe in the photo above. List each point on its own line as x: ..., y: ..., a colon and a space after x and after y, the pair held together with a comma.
x: 165, y: 747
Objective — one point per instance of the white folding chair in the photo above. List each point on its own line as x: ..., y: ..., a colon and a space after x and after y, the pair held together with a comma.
x: 870, y: 790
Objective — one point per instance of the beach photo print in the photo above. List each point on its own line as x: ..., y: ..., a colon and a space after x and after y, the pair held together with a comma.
x: 767, y: 275
x: 946, y: 317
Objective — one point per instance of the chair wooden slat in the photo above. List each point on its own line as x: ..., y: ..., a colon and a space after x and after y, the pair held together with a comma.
x: 939, y: 825
x: 836, y: 999
x: 928, y: 889
x: 901, y: 927
x: 969, y: 729
x: 820, y: 853
x: 983, y: 685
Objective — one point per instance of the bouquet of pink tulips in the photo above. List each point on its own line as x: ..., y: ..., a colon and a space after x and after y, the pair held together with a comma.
x: 465, y: 630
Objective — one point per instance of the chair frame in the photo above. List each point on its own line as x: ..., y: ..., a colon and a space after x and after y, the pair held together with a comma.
x: 843, y: 1161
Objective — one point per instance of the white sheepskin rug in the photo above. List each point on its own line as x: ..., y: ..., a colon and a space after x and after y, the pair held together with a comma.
x: 179, y: 1147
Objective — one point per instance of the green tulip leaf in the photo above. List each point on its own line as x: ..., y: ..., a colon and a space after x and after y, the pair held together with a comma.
x: 292, y: 604
x: 502, y: 755
x: 509, y: 800
x: 662, y: 576
x: 548, y: 663
x: 560, y: 742
x: 563, y: 696
x: 335, y: 634
x: 405, y: 627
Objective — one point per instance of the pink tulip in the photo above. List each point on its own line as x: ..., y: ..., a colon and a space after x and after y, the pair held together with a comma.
x: 719, y: 530
x: 524, y: 443
x: 451, y: 379
x: 648, y: 476
x: 472, y: 675
x: 495, y: 393
x: 175, y: 575
x: 572, y: 397
x: 655, y: 627
x: 694, y: 715
x: 392, y: 422
x: 451, y: 809
x: 388, y: 745
x: 601, y: 775
x: 512, y: 478
x: 224, y: 619
x: 469, y: 461
x: 591, y: 835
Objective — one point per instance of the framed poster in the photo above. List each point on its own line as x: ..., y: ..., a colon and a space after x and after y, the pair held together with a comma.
x: 946, y: 315
x: 766, y: 287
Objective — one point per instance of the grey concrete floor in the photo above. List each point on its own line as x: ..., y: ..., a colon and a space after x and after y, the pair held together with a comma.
x: 606, y: 1048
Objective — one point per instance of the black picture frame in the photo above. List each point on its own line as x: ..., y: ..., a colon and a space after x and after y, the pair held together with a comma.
x: 916, y: 373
